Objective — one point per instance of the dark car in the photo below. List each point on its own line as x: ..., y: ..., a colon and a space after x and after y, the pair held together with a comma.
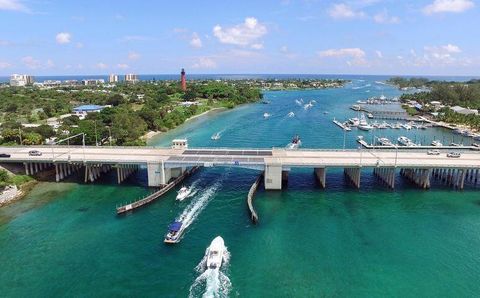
x: 4, y: 155
x: 34, y: 153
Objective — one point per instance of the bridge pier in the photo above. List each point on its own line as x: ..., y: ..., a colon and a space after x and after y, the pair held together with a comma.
x: 159, y: 175
x: 320, y: 173
x: 273, y: 177
x: 32, y: 168
x: 123, y: 171
x: 353, y: 175
x: 386, y: 175
x: 420, y: 177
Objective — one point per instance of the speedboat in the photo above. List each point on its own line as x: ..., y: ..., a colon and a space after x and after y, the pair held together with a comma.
x: 175, y: 231
x: 354, y: 121
x: 216, y: 136
x: 266, y: 115
x: 370, y: 116
x: 384, y: 142
x: 183, y: 193
x: 299, y: 102
x: 295, y: 143
x: 356, y: 107
x: 291, y: 114
x: 436, y: 143
x: 307, y: 106
x: 404, y: 141
x: 407, y: 126
x: 365, y: 127
x: 215, y: 253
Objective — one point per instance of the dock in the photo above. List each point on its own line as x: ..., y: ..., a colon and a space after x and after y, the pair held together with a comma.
x: 371, y: 146
x: 152, y: 197
x: 341, y: 125
x: 250, y: 196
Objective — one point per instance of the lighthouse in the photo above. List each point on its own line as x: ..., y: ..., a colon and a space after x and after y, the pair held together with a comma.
x: 183, y: 80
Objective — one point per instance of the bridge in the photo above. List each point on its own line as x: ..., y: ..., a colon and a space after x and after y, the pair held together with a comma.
x: 164, y: 164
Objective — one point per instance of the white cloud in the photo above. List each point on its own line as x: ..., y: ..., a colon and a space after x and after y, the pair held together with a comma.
x: 356, y: 55
x: 133, y: 56
x: 205, y: 63
x: 63, y: 37
x: 242, y: 34
x: 30, y: 62
x: 13, y: 5
x: 379, y: 54
x: 196, y: 42
x: 122, y: 66
x: 343, y: 11
x: 257, y: 46
x: 4, y: 65
x: 101, y: 65
x: 384, y: 18
x: 455, y: 6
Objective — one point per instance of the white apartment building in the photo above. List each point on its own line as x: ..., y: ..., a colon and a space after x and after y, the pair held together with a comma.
x: 21, y: 80
x: 113, y: 78
x: 131, y: 78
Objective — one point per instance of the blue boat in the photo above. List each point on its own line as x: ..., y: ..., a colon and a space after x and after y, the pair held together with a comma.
x: 175, y: 230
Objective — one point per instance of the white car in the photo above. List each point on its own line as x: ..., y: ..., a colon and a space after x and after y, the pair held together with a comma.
x: 453, y: 154
x: 433, y: 152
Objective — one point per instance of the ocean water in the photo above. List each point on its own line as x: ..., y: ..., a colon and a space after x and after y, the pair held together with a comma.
x: 65, y: 240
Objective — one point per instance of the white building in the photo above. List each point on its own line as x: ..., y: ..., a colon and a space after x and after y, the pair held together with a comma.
x: 21, y: 80
x: 464, y: 111
x: 93, y: 82
x: 131, y: 78
x: 113, y: 78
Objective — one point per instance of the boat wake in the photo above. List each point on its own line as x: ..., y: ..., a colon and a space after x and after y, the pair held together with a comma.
x: 191, y: 212
x: 211, y: 282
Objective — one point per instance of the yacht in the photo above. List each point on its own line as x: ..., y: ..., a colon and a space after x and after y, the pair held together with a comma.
x: 384, y: 142
x: 175, y: 231
x: 407, y: 126
x: 295, y: 143
x: 365, y: 127
x: 183, y: 193
x: 215, y: 253
x: 266, y: 115
x: 354, y: 121
x: 291, y: 114
x: 404, y: 141
x: 370, y: 116
x: 436, y: 143
x: 356, y: 108
x: 215, y: 136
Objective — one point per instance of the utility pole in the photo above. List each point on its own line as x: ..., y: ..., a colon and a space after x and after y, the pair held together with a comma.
x: 110, y: 135
x: 20, y: 136
x: 96, y: 138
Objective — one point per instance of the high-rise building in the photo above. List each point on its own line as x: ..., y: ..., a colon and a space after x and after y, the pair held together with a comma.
x: 21, y: 80
x: 183, y: 80
x: 113, y: 78
x: 131, y: 78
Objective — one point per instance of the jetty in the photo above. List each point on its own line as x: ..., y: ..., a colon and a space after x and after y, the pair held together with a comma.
x: 341, y: 125
x: 250, y: 196
x: 152, y: 197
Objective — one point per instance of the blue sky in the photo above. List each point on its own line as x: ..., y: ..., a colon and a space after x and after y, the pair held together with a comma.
x: 50, y: 37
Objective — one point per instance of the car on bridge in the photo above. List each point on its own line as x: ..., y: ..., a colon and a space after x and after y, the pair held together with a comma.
x: 453, y: 154
x: 4, y: 155
x: 433, y: 152
x: 34, y: 153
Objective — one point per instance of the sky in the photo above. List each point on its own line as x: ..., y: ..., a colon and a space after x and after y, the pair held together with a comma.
x: 423, y: 37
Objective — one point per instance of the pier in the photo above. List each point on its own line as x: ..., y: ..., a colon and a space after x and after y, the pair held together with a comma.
x: 250, y: 196
x: 152, y: 197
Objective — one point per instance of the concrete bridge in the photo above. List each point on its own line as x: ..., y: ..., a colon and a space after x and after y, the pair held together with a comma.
x: 163, y: 164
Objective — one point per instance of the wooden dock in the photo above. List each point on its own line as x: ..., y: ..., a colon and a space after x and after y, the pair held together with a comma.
x: 250, y: 196
x: 152, y: 197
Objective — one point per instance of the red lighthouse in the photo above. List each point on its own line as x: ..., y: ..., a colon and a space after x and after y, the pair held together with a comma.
x: 184, y: 81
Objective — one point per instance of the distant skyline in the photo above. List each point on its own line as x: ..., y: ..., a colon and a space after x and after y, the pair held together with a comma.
x: 427, y: 37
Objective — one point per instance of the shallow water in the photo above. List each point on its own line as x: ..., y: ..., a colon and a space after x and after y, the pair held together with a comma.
x: 65, y: 239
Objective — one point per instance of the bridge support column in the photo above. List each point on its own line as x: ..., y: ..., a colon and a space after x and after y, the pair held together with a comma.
x: 26, y: 168
x: 320, y: 173
x: 273, y: 177
x: 353, y: 175
x: 158, y: 175
x: 386, y: 175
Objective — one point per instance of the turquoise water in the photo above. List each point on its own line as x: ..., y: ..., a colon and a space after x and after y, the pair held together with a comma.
x: 65, y: 239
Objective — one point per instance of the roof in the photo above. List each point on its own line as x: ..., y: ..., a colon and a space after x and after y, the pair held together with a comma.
x: 88, y: 108
x: 175, y: 227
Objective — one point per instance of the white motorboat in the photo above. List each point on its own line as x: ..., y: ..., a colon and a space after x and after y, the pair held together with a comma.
x: 299, y: 102
x: 407, y: 126
x: 215, y: 253
x: 436, y: 143
x: 183, y: 193
x: 291, y: 114
x: 404, y: 141
x: 307, y: 106
x: 216, y: 136
x: 365, y: 127
x: 356, y: 107
x: 384, y: 142
x: 266, y: 115
x: 295, y: 143
x: 370, y: 116
x: 354, y: 121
